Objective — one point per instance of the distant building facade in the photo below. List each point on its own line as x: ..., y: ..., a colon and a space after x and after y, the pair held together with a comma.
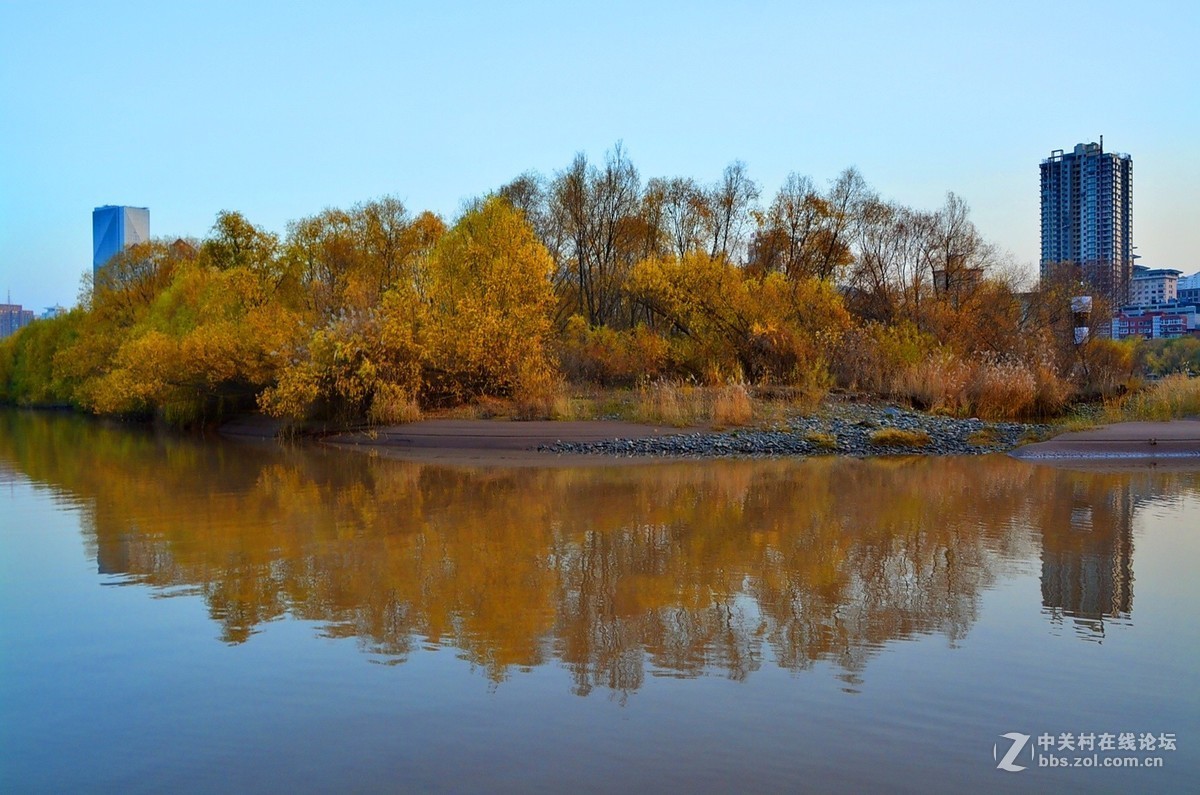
x: 1087, y: 217
x: 1152, y: 324
x: 1187, y: 289
x: 1161, y: 305
x: 13, y: 317
x: 114, y: 228
x: 1153, y: 286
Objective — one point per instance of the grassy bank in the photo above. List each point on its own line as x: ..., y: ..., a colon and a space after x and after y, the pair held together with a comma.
x: 683, y: 404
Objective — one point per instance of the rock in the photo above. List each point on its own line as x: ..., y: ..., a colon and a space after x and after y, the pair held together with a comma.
x: 850, y: 425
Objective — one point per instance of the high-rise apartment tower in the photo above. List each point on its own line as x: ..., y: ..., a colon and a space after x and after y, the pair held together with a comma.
x: 1087, y: 217
x: 115, y: 228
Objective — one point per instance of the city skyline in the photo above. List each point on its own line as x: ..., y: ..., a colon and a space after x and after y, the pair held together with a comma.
x: 285, y: 114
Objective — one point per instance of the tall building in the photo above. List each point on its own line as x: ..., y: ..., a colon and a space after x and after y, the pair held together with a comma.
x: 1087, y: 217
x: 115, y: 228
x: 13, y: 317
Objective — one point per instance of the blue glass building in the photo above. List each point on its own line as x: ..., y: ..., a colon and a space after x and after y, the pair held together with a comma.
x: 115, y: 227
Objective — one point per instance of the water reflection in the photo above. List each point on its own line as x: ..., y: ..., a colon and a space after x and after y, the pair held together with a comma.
x: 615, y: 573
x: 1087, y: 549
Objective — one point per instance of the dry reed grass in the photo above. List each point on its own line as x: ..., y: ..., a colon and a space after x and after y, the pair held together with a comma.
x: 679, y: 405
x: 669, y: 403
x: 944, y: 383
x: 731, y: 406
x: 1001, y: 390
x: 393, y: 406
x: 982, y: 437
x: 897, y: 437
x: 936, y: 383
x: 1173, y: 397
x: 825, y: 441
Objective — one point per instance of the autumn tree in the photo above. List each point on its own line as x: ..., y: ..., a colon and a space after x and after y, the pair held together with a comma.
x: 473, y: 320
x: 322, y: 251
x: 597, y: 208
x: 27, y: 373
x: 884, y: 260
x: 346, y: 259
x: 790, y: 237
x: 491, y: 298
x: 730, y: 202
x: 125, y: 285
x: 207, y: 345
x: 686, y: 215
x: 911, y: 265
x: 843, y: 202
x: 124, y: 290
x: 733, y: 325
x: 234, y: 242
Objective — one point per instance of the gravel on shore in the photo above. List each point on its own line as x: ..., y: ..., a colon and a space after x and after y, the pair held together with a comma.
x: 841, y: 430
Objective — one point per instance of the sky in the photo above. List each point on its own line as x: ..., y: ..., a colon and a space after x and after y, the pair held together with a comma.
x: 281, y: 109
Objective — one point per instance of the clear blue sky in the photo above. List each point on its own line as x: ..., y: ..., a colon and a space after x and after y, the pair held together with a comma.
x: 279, y: 110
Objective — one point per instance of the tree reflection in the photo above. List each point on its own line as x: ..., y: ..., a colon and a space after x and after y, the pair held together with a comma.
x: 615, y: 572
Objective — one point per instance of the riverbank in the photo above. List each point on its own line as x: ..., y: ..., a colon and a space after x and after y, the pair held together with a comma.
x: 498, y: 441
x: 1177, y: 439
x: 857, y: 430
x: 846, y: 429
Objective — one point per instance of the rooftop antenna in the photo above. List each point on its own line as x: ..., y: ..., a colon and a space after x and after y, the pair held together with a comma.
x: 1102, y: 143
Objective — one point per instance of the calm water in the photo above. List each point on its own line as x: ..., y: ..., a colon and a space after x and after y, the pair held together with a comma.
x: 215, y: 616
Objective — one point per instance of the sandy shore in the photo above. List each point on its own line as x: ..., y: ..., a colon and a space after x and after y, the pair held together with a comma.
x: 498, y: 441
x: 1175, y: 443
x: 1178, y: 439
x: 501, y: 434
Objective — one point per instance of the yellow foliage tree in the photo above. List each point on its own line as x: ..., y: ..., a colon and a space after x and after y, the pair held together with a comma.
x: 471, y: 319
x: 207, y: 344
x: 734, y: 324
x: 491, y: 297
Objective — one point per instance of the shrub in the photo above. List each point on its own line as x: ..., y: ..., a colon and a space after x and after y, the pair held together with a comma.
x: 1109, y: 367
x: 825, y: 441
x: 612, y: 357
x: 27, y: 374
x: 983, y: 437
x: 537, y: 392
x: 938, y: 382
x: 871, y: 357
x: 767, y: 329
x: 811, y: 381
x: 1001, y: 390
x: 896, y: 437
x: 1181, y: 355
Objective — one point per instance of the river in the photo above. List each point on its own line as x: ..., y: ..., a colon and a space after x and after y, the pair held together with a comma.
x: 185, y: 614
